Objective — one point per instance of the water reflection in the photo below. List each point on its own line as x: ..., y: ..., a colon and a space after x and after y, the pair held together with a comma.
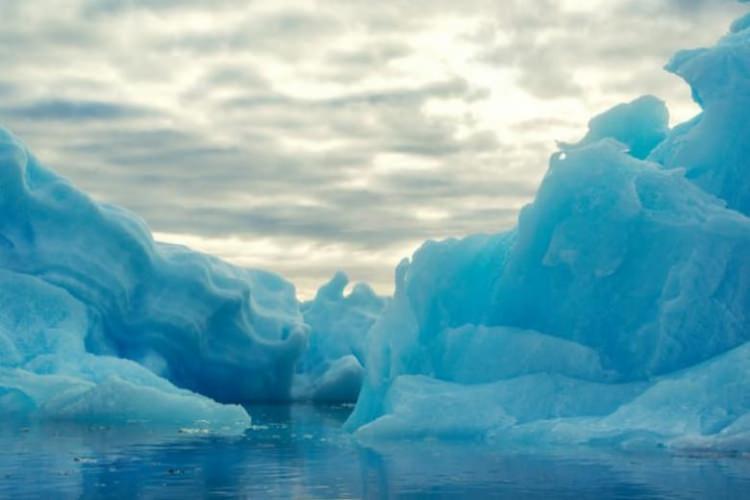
x: 300, y: 452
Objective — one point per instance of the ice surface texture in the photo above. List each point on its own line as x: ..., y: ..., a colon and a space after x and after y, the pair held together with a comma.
x: 45, y: 371
x: 617, y: 311
x: 228, y: 333
x: 714, y: 147
x: 331, y: 370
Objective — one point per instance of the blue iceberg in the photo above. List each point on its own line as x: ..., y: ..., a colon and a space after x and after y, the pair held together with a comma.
x: 46, y: 372
x: 99, y: 322
x: 331, y: 368
x: 617, y: 311
x: 92, y: 303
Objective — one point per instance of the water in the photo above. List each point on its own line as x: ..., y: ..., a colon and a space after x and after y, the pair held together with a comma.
x: 301, y: 452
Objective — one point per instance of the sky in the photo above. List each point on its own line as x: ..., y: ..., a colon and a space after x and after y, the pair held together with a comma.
x: 308, y: 137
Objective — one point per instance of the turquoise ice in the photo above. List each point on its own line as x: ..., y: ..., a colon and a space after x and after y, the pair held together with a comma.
x: 330, y: 370
x: 99, y: 322
x: 617, y: 311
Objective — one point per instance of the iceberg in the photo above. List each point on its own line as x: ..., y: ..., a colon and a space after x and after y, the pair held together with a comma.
x: 99, y: 322
x: 46, y: 373
x: 331, y: 368
x: 617, y: 311
x: 94, y: 310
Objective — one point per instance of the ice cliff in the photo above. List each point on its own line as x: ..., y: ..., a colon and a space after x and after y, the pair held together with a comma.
x: 618, y: 309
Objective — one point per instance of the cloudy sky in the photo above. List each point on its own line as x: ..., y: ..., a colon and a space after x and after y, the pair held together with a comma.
x: 306, y: 137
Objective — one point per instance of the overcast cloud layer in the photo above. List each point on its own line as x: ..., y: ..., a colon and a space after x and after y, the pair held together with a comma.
x: 305, y: 137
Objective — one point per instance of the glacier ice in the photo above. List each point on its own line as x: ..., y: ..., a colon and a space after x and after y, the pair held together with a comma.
x: 617, y: 311
x: 99, y: 322
x: 228, y: 333
x: 713, y: 148
x: 330, y: 370
x: 641, y: 125
x: 45, y: 371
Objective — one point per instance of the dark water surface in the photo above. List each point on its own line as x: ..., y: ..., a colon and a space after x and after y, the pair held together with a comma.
x: 300, y: 452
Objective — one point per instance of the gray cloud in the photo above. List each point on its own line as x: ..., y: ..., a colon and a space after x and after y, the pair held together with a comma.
x: 112, y: 7
x: 285, y: 33
x: 65, y: 110
x: 350, y: 125
x: 6, y: 90
x: 548, y: 45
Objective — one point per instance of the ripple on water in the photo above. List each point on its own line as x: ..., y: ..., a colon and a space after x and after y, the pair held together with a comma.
x: 301, y: 452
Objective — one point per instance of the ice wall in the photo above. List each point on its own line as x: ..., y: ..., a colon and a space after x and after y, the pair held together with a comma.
x: 617, y: 311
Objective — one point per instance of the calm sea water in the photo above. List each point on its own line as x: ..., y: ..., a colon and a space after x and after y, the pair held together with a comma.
x: 300, y: 452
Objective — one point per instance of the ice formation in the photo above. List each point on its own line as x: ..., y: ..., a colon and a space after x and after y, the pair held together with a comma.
x: 713, y: 148
x: 618, y: 310
x: 85, y: 288
x: 45, y: 371
x: 331, y: 370
x: 99, y: 322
